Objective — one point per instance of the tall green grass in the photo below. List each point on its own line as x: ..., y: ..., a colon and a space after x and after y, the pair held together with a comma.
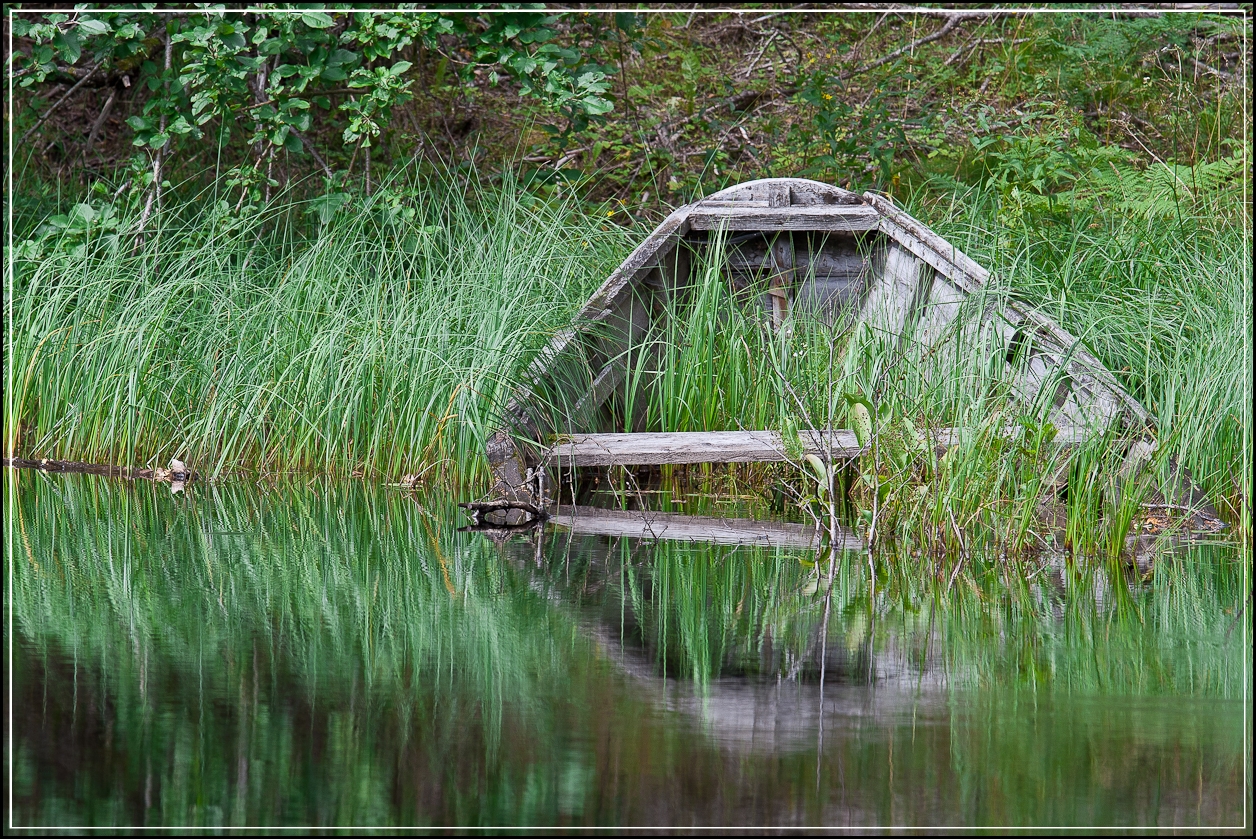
x: 380, y: 342
x: 1165, y: 304
x: 386, y: 340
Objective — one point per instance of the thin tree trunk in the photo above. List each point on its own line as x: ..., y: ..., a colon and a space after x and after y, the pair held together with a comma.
x: 154, y: 192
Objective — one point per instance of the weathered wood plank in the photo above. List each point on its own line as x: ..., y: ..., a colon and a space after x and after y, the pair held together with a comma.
x: 1097, y: 395
x: 927, y: 245
x: 835, y: 218
x: 938, y: 312
x: 801, y: 192
x: 644, y: 524
x: 778, y: 194
x: 688, y: 447
x: 522, y: 415
x: 889, y: 303
x: 683, y: 447
x: 1091, y: 379
x: 643, y: 258
x: 804, y: 193
x: 781, y: 284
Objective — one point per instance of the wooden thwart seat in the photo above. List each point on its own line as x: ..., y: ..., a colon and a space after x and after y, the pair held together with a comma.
x: 688, y: 447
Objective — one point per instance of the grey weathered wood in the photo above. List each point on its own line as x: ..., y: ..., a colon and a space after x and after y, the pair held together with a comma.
x: 655, y: 247
x: 685, y: 447
x: 897, y: 275
x: 802, y: 192
x: 781, y: 285
x: 834, y: 218
x: 939, y: 310
x: 1092, y: 395
x: 949, y: 260
x: 645, y: 524
x: 688, y: 447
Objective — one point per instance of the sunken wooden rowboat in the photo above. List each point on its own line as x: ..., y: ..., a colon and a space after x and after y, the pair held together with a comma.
x: 818, y: 247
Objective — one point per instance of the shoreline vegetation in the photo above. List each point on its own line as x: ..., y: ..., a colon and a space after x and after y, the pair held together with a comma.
x: 382, y: 344
x: 274, y: 309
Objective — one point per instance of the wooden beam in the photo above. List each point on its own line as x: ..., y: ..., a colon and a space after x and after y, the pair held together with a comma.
x: 682, y: 447
x: 781, y: 284
x: 647, y: 524
x: 949, y: 260
x: 835, y: 218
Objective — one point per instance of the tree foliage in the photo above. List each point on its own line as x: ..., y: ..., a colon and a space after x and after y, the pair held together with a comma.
x: 263, y: 75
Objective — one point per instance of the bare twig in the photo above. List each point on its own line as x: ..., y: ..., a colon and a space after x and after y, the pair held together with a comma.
x: 971, y: 47
x: 964, y: 48
x: 952, y: 21
x: 52, y: 108
x: 1222, y: 74
x: 854, y: 53
x: 745, y: 74
x: 154, y: 194
x: 309, y: 147
x: 100, y: 121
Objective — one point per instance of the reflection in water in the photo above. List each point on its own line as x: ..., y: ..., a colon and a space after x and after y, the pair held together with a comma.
x: 342, y: 655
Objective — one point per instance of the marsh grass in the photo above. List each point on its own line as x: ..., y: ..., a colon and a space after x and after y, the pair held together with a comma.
x: 1165, y: 305
x: 705, y: 612
x: 250, y: 653
x: 386, y: 340
x: 380, y: 342
x: 358, y: 584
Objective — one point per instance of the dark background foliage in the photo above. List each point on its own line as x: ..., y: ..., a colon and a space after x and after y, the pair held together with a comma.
x: 649, y: 108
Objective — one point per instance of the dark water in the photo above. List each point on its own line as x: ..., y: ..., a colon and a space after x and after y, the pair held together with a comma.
x: 340, y: 655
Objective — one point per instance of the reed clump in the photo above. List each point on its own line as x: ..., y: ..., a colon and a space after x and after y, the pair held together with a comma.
x: 368, y: 336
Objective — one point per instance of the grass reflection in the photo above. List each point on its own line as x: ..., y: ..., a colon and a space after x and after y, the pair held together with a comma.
x: 1046, y: 621
x: 313, y: 628
x: 341, y: 655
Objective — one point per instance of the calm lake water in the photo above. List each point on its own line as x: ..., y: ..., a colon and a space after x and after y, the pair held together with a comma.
x: 343, y: 655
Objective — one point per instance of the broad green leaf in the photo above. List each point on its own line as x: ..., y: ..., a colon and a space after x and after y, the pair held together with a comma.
x: 316, y: 20
x: 92, y: 26
x: 68, y: 44
x: 861, y: 422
